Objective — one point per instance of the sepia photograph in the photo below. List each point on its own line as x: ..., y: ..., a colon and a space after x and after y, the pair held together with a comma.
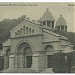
x: 37, y: 37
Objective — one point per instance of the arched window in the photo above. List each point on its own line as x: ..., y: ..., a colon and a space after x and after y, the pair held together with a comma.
x: 32, y: 31
x: 29, y: 30
x: 26, y: 30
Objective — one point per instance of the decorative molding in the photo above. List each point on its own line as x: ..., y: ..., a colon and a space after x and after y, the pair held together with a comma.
x: 37, y: 35
x: 51, y: 41
x: 35, y: 52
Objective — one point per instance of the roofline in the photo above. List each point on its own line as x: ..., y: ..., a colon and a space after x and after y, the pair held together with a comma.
x: 61, y: 25
x: 22, y: 22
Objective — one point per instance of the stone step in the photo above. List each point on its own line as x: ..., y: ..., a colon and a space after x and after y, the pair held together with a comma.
x: 48, y: 70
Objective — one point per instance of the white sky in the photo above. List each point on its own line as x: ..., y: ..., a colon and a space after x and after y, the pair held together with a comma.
x: 36, y: 12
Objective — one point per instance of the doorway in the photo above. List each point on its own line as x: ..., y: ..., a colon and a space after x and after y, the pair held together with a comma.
x: 24, y: 55
x: 28, y: 61
x: 49, y: 61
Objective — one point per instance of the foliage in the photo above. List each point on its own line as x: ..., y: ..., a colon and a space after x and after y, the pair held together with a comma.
x: 6, y: 25
x: 1, y: 63
x: 59, y: 65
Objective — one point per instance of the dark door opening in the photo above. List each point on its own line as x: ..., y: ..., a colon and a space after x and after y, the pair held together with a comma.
x: 28, y: 61
x: 50, y: 61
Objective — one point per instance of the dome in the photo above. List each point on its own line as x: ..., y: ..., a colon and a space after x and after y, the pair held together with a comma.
x: 47, y: 16
x: 61, y: 21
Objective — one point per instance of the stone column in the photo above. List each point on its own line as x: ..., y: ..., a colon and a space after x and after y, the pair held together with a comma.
x: 38, y: 61
x: 5, y: 57
x: 19, y: 61
x: 41, y: 60
x: 50, y: 24
x: 46, y: 23
x: 35, y: 61
x: 5, y: 62
x: 65, y: 28
x: 15, y: 61
x: 60, y: 27
x: 11, y: 61
x: 45, y: 60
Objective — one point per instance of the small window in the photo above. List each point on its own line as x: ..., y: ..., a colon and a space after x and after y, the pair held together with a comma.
x: 21, y: 28
x: 18, y: 30
x: 32, y: 31
x: 44, y: 23
x: 29, y: 30
x: 62, y: 27
x: 58, y: 28
x: 26, y: 30
x: 65, y: 28
x: 48, y: 23
x: 52, y: 24
x: 15, y: 33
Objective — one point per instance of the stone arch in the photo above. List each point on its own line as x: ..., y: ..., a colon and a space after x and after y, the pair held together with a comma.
x: 26, y: 30
x: 24, y: 55
x: 32, y: 47
x: 48, y: 51
x: 47, y: 44
x: 7, y: 57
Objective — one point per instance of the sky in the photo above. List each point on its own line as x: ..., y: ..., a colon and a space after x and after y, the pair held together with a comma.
x: 36, y: 10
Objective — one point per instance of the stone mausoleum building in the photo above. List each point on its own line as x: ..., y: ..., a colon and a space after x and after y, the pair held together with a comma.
x: 32, y: 44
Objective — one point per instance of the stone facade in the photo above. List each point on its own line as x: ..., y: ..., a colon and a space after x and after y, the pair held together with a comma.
x: 31, y: 45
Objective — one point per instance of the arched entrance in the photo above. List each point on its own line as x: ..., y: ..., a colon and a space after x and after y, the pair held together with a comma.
x: 49, y: 56
x: 24, y: 57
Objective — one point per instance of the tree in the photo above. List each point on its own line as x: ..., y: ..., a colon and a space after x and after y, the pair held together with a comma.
x: 59, y: 65
x: 1, y: 63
